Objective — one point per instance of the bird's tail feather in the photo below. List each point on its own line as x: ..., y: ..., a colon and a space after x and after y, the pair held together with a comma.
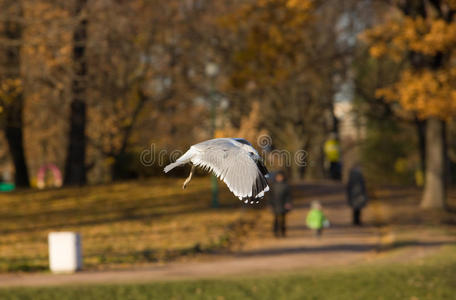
x: 180, y: 161
x: 172, y: 166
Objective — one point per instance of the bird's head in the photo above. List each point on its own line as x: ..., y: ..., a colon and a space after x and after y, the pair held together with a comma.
x: 244, y: 144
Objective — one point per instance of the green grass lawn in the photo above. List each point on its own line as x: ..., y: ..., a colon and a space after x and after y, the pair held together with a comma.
x: 121, y: 224
x: 434, y: 278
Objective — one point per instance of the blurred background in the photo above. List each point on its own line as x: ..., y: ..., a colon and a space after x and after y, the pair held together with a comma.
x: 97, y: 96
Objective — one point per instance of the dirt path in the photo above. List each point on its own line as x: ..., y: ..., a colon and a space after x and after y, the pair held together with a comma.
x: 342, y: 244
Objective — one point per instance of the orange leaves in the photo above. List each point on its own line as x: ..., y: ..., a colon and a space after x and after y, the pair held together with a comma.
x: 427, y: 92
x: 378, y: 50
x: 271, y: 32
x: 385, y: 40
x: 300, y: 5
x: 10, y: 88
x: 11, y: 85
x: 425, y: 36
x: 47, y: 38
x: 435, y: 36
x: 424, y: 87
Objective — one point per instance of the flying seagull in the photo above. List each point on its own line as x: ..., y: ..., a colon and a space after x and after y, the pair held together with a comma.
x: 233, y: 160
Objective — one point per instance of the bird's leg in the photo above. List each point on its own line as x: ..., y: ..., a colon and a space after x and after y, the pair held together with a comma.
x: 189, y: 177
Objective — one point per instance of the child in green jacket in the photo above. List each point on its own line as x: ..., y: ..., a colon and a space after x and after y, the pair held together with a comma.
x: 316, y: 219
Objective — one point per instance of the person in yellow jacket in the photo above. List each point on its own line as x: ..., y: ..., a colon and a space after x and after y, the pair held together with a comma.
x: 332, y: 156
x: 316, y: 219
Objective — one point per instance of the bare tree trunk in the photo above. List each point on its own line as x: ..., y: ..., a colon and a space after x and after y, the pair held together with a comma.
x: 14, y: 126
x: 75, y: 168
x: 421, y: 132
x: 15, y: 138
x: 434, y: 187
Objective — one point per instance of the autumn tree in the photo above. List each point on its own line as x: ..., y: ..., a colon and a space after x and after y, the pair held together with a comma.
x: 384, y: 117
x: 147, y: 60
x: 422, y: 33
x: 287, y: 55
x: 11, y: 86
x: 75, y: 164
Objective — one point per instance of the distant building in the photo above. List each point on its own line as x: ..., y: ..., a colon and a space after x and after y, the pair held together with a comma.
x: 351, y: 126
x: 352, y: 131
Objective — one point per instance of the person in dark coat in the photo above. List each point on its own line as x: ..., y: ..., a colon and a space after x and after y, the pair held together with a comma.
x: 280, y: 201
x: 356, y: 193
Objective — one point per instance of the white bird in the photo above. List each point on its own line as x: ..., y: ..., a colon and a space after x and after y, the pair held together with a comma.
x: 233, y: 160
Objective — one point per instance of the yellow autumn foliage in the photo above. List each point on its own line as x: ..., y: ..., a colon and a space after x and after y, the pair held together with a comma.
x: 299, y: 4
x: 10, y: 88
x: 428, y: 93
x: 429, y: 88
x: 272, y: 30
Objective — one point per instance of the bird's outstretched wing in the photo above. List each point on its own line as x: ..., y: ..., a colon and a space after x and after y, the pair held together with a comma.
x: 233, y: 165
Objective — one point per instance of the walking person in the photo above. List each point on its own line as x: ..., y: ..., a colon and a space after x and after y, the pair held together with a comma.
x: 332, y: 157
x: 280, y: 202
x: 356, y: 193
x: 316, y: 219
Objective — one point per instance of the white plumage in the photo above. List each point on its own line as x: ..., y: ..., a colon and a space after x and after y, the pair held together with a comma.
x: 234, y: 161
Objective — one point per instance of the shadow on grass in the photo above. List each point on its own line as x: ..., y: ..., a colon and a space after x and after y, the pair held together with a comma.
x: 413, y: 243
x: 365, y: 247
x: 100, y: 211
x: 341, y: 228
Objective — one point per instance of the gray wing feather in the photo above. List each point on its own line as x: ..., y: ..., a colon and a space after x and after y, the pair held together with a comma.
x: 233, y: 165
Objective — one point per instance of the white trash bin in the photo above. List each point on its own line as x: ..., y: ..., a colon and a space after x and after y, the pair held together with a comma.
x: 64, y: 252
